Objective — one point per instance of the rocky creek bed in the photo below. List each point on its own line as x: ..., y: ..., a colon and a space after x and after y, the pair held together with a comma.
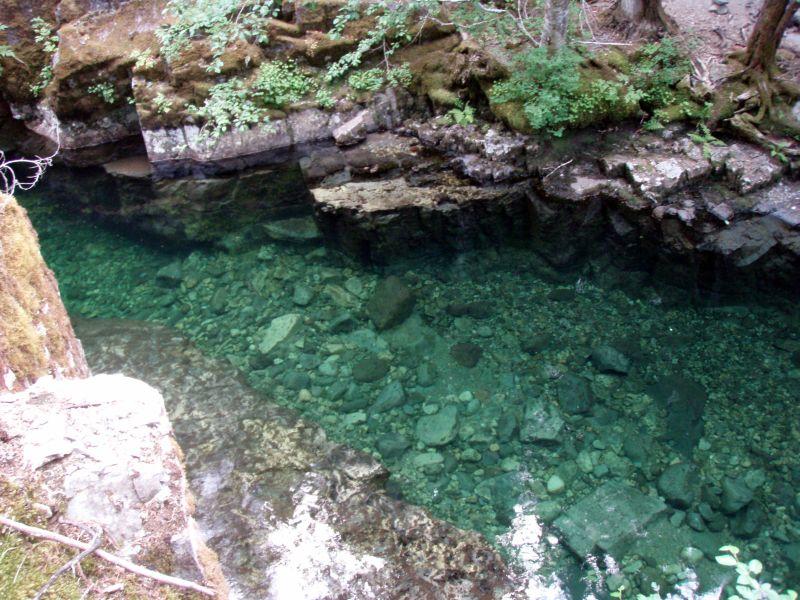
x: 600, y: 427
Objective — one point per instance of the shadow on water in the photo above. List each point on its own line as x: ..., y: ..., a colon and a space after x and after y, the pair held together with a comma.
x: 639, y: 424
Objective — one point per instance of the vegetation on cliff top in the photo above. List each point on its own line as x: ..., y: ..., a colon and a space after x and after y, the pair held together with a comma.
x: 369, y: 45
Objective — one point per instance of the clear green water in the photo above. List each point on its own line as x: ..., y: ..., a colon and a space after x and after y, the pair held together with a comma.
x: 536, y: 331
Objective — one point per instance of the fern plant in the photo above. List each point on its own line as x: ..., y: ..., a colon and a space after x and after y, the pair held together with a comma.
x: 222, y: 22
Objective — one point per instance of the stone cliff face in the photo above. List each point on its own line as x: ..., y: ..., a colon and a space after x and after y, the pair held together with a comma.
x: 387, y: 176
x: 36, y: 336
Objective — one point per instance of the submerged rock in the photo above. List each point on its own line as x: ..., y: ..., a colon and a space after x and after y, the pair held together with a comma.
x: 679, y: 484
x: 541, y: 423
x: 466, y: 354
x: 391, y: 303
x: 392, y: 396
x: 736, y: 494
x: 279, y: 329
x: 607, y: 518
x: 684, y: 401
x: 438, y: 429
x: 608, y: 359
x: 370, y: 369
x: 574, y: 395
x: 299, y: 230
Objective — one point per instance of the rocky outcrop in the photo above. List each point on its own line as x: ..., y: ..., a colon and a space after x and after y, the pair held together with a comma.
x: 284, y: 507
x: 380, y: 220
x: 36, y: 337
x: 100, y: 452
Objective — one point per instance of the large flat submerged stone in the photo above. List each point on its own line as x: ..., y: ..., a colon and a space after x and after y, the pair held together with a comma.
x: 614, y: 514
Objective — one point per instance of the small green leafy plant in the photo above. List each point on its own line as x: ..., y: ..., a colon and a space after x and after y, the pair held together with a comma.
x: 103, y: 90
x: 162, y: 104
x: 44, y: 36
x: 706, y: 139
x: 229, y: 105
x: 279, y: 83
x: 747, y: 585
x: 143, y: 59
x: 5, y: 49
x: 463, y: 114
x: 325, y: 98
x: 369, y: 80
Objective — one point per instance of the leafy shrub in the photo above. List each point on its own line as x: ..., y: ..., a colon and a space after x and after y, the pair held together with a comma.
x: 279, y: 83
x: 221, y: 21
x: 557, y: 91
x: 389, y: 32
x: 229, y: 105
x: 370, y: 80
x: 546, y: 86
x: 5, y: 49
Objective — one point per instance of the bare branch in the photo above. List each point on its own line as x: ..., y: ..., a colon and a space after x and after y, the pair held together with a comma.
x: 97, y: 539
x: 10, y: 181
x: 43, y: 534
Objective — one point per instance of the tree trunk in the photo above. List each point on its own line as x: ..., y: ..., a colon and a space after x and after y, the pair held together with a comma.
x: 643, y: 15
x: 772, y: 21
x: 556, y: 19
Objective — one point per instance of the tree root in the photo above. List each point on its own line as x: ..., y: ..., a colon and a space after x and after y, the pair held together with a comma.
x: 752, y: 103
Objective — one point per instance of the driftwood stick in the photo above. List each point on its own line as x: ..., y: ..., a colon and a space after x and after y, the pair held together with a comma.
x: 36, y: 532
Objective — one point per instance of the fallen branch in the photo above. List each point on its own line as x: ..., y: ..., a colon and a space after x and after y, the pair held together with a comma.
x: 43, y: 534
x: 97, y: 539
x: 559, y: 167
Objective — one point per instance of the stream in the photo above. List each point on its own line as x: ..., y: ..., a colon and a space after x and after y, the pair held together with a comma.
x: 599, y: 426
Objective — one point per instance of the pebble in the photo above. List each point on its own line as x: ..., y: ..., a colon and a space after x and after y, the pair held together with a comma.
x: 692, y: 555
x: 555, y: 485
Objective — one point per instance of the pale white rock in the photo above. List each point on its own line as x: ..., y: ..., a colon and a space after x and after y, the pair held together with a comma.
x: 105, y: 447
x: 279, y: 329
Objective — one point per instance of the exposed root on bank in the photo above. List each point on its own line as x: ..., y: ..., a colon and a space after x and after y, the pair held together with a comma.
x: 755, y: 104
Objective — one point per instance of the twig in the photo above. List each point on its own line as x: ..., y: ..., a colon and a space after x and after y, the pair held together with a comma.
x: 97, y: 539
x: 562, y: 165
x: 605, y: 43
x: 107, y: 556
x: 9, y: 182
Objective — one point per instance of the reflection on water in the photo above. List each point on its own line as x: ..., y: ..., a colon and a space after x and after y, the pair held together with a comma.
x: 604, y: 429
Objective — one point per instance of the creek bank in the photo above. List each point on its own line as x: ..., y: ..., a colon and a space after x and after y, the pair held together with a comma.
x: 101, y: 451
x: 91, y: 450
